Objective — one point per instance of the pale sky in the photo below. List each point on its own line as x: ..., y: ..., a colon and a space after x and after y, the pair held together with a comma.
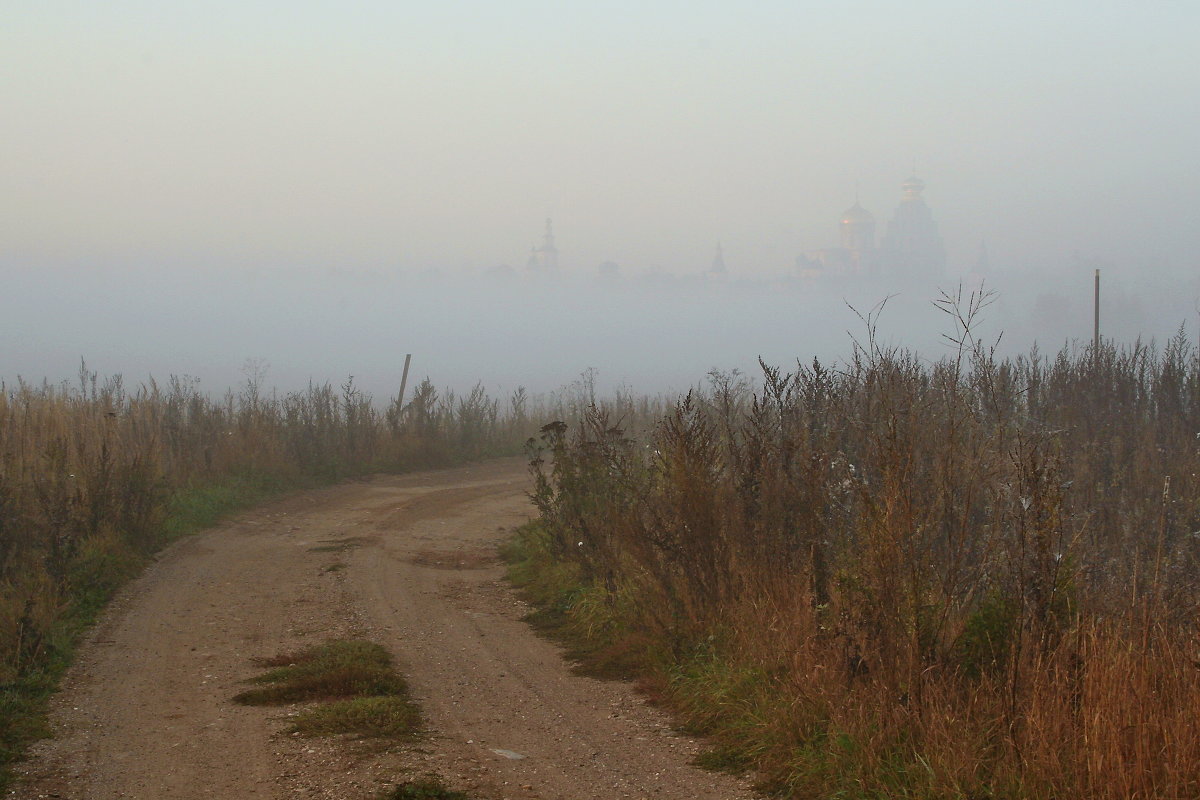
x: 411, y: 135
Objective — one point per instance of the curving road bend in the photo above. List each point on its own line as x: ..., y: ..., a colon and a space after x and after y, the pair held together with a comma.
x: 408, y: 561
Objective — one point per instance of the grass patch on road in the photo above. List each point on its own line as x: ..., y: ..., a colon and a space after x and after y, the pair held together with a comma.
x: 368, y: 717
x: 426, y: 789
x: 355, y: 691
x: 361, y: 691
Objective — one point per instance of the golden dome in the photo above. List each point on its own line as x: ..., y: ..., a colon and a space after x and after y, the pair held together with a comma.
x: 913, y: 186
x: 856, y: 214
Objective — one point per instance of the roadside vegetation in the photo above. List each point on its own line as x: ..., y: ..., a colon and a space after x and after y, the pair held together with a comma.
x: 975, y: 578
x: 95, y: 478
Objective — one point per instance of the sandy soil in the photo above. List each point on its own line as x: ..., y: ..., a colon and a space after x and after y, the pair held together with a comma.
x: 406, y: 561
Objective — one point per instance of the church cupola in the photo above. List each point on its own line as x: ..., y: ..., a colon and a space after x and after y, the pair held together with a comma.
x: 858, y: 229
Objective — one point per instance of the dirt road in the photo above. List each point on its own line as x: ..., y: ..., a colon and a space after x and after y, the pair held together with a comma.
x: 406, y: 561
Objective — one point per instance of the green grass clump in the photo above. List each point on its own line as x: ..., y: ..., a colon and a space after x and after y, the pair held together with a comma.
x: 390, y: 717
x: 363, y: 693
x: 426, y: 789
x: 335, y: 670
x: 195, y: 508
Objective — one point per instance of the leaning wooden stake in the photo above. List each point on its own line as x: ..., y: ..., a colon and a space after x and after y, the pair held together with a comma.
x: 1096, y: 331
x: 404, y: 380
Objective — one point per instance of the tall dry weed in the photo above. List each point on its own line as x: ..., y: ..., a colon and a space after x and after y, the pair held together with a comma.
x: 87, y: 472
x: 971, y: 578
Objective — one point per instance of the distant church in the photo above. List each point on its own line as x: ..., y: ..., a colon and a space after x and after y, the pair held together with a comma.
x: 912, y: 247
x: 544, y: 259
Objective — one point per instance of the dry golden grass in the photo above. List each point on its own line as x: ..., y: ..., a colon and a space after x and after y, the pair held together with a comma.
x: 88, y: 474
x: 974, y: 578
x: 94, y: 478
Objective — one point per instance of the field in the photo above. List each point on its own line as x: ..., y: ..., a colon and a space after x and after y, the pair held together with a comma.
x: 887, y: 577
x: 970, y: 578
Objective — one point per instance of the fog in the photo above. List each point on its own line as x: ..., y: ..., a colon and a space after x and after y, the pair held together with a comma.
x: 650, y: 333
x: 324, y: 187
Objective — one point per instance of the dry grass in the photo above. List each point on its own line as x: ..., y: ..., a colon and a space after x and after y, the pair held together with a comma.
x: 94, y: 478
x: 975, y: 578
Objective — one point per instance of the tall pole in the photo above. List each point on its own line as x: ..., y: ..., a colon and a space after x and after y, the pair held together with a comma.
x: 404, y: 380
x: 1096, y: 332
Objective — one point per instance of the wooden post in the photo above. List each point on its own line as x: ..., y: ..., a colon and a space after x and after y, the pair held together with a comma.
x: 1096, y: 332
x: 404, y: 380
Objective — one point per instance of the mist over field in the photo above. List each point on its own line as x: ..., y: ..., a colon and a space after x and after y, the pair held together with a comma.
x: 959, y: 558
x: 654, y: 333
x: 323, y: 189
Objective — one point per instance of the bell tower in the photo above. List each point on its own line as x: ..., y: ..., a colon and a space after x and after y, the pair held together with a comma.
x: 545, y: 258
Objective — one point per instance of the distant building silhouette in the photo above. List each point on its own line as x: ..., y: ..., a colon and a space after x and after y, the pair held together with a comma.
x: 912, y: 247
x: 857, y: 254
x: 858, y: 229
x: 544, y: 259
